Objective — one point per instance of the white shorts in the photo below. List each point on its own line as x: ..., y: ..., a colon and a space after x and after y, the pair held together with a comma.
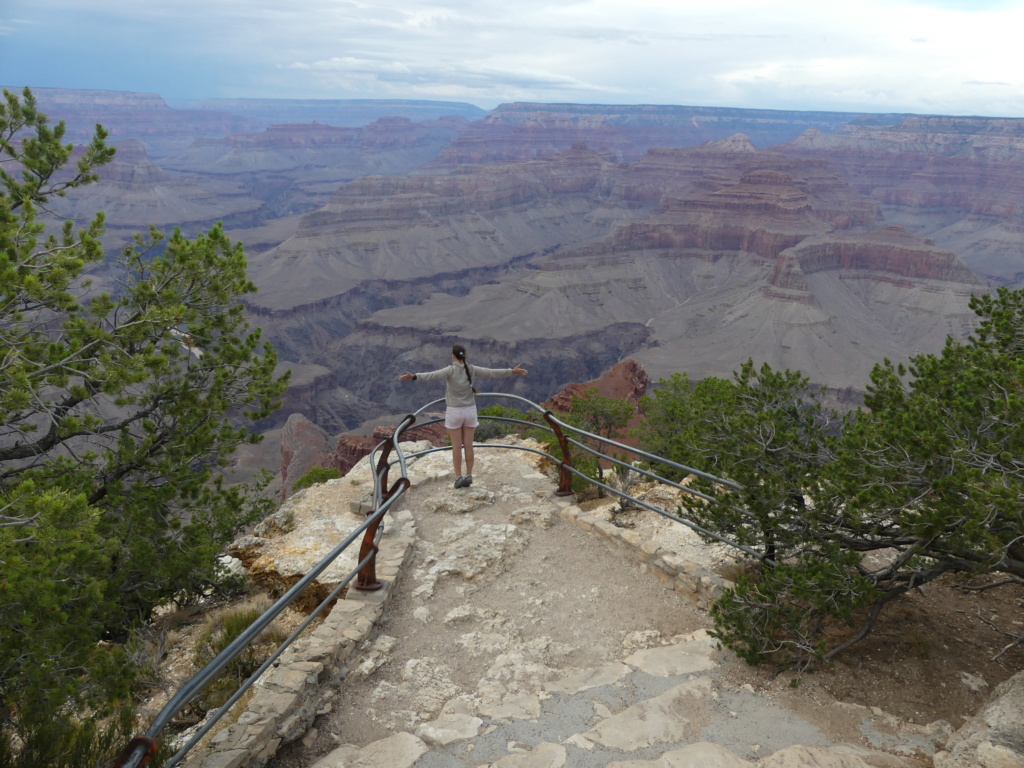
x: 456, y: 417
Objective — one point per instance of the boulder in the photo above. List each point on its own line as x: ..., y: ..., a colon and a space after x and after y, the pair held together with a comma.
x: 993, y: 738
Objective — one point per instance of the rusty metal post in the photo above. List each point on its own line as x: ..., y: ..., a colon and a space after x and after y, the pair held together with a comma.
x: 366, y: 580
x: 565, y: 476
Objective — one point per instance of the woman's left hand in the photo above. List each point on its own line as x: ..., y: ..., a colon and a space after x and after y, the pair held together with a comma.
x: 519, y: 371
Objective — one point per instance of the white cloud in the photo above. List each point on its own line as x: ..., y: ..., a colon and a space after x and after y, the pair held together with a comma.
x: 899, y: 55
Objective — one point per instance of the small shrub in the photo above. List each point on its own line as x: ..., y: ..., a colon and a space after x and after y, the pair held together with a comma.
x: 220, y: 632
x: 491, y: 430
x: 314, y: 476
x: 70, y: 740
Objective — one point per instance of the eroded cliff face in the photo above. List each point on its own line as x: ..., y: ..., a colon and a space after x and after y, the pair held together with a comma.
x: 525, y: 131
x: 569, y: 237
x: 623, y: 381
x: 388, y: 231
x: 145, y: 117
x: 134, y: 192
x: 690, y: 259
x: 957, y: 181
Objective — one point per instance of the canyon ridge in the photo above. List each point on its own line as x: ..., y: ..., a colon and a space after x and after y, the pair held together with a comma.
x: 568, y: 237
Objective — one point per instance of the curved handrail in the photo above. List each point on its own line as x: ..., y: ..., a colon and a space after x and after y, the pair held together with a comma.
x: 142, y: 747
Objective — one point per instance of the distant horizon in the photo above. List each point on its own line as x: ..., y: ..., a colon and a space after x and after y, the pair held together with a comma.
x: 188, y: 102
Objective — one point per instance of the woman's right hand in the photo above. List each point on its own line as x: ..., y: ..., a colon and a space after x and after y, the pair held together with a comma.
x: 407, y: 376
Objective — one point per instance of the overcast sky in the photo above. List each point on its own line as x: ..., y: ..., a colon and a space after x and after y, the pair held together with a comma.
x: 924, y: 56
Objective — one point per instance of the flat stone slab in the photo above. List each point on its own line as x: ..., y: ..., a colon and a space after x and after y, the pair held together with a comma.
x: 546, y: 755
x: 399, y: 751
x: 688, y: 657
x: 525, y: 707
x: 449, y: 728
x: 660, y: 720
x: 607, y: 674
x: 701, y: 755
x: 811, y: 757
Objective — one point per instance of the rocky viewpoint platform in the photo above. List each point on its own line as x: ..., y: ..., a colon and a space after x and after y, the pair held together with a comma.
x: 516, y: 630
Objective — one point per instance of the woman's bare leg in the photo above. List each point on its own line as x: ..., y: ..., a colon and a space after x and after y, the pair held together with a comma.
x: 467, y: 445
x: 456, y: 438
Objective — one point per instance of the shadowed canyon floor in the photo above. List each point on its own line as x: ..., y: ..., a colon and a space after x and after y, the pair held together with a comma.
x: 516, y: 639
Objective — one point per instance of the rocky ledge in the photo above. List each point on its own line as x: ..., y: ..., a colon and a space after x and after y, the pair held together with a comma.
x: 508, y: 690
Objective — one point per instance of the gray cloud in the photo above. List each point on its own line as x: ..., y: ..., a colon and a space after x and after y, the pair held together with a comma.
x: 879, y: 55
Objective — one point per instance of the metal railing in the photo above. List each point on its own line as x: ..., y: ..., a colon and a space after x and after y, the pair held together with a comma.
x: 142, y: 748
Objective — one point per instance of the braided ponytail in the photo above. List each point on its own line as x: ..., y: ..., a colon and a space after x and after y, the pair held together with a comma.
x: 459, y: 352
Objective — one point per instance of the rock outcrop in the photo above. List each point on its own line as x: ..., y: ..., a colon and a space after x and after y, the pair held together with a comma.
x: 994, y: 737
x: 350, y: 449
x: 474, y: 653
x: 303, y: 446
x: 955, y: 180
x: 624, y: 381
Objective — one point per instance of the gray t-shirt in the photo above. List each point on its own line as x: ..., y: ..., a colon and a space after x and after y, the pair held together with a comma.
x: 458, y: 391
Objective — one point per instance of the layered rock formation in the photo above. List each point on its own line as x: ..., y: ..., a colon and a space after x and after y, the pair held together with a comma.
x: 341, y: 112
x: 570, y: 237
x: 250, y: 170
x: 134, y: 192
x: 745, y: 253
x: 167, y: 130
x: 388, y: 233
x: 294, y: 168
x: 145, y: 117
x: 524, y: 131
x: 956, y: 180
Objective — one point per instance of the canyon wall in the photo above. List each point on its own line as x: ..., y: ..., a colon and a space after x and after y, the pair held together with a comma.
x: 689, y: 259
x: 570, y: 237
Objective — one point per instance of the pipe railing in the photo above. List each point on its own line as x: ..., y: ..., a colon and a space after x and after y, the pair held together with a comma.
x: 141, y: 749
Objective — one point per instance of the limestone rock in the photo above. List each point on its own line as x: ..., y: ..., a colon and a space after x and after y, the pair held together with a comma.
x: 287, y: 544
x: 470, y: 551
x: 525, y: 707
x: 540, y: 516
x: 659, y: 719
x: 811, y: 757
x: 449, y: 728
x: 700, y: 755
x: 588, y: 678
x: 546, y: 755
x: 993, y: 738
x: 691, y: 655
x: 399, y: 751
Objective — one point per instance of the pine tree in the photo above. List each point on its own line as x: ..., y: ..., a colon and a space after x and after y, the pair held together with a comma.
x: 119, y: 410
